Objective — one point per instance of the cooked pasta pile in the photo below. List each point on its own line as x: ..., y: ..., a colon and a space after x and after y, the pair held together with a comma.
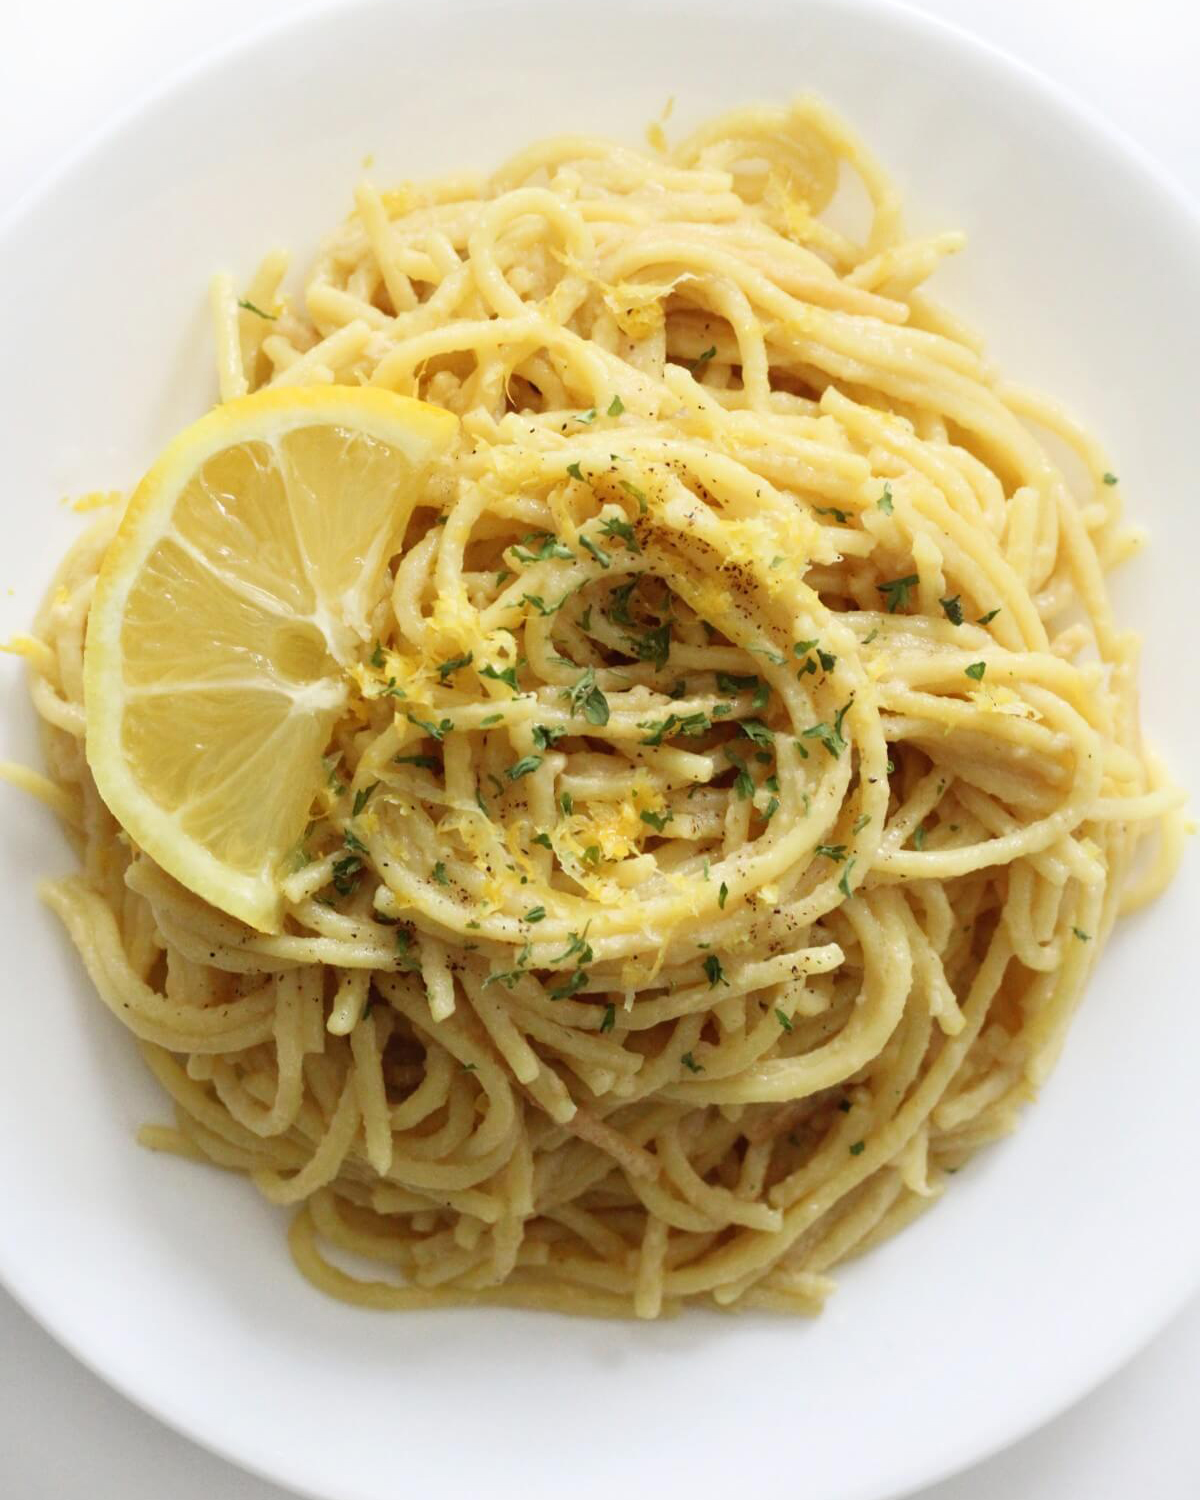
x: 740, y: 775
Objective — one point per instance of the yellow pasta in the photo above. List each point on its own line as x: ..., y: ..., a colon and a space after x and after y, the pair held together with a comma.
x: 740, y: 781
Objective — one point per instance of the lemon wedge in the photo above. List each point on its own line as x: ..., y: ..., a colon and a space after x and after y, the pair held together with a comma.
x: 236, y: 592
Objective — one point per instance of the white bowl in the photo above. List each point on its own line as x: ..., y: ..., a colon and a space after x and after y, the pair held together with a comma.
x: 1056, y: 1253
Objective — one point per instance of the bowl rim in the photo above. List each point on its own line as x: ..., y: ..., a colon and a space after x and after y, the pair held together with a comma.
x: 986, y: 54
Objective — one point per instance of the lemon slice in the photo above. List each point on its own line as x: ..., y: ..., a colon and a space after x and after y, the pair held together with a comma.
x: 238, y: 587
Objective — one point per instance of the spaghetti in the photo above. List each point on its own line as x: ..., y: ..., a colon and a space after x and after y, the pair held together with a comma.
x: 740, y: 781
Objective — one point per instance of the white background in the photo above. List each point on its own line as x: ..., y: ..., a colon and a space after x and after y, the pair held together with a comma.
x: 66, y: 66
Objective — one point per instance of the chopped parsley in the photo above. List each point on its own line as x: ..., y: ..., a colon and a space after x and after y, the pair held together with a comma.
x: 588, y: 416
x: 446, y: 669
x: 722, y: 895
x: 273, y: 317
x: 861, y: 823
x: 586, y: 698
x: 618, y: 527
x: 839, y: 516
x: 1084, y: 937
x: 988, y: 618
x: 836, y: 852
x: 544, y: 736
x: 640, y: 497
x: 376, y: 656
x: 709, y: 353
x: 572, y: 986
x: 577, y: 943
x: 714, y: 972
x: 576, y: 472
x: 657, y: 821
x: 976, y: 670
x: 691, y: 1064
x: 597, y: 552
x: 654, y: 646
x: 548, y: 546
x: 345, y: 873
x: 540, y: 604
x: 1109, y: 478
x: 844, y: 882
x: 952, y: 609
x: 743, y: 783
x: 429, y: 762
x: 885, y: 500
x: 438, y: 731
x: 497, y: 674
x: 523, y: 767
x: 830, y: 735
x: 567, y: 803
x: 919, y: 837
x: 609, y: 1018
x: 362, y: 797
x: 858, y: 1148
x: 439, y: 874
x: 616, y: 407
x: 784, y: 1020
x: 543, y: 838
x: 756, y: 730
x: 534, y: 914
x: 618, y: 599
x: 895, y: 591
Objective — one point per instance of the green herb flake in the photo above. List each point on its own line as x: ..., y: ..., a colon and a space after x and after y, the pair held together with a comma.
x: 544, y: 736
x: 896, y: 590
x: 534, y: 914
x: 597, y: 552
x: 506, y: 675
x: 543, y: 838
x: 376, y: 656
x: 586, y: 698
x: 616, y: 406
x: 722, y: 895
x: 743, y: 783
x: 249, y: 307
x: 709, y: 353
x: 548, y: 546
x: 691, y: 1064
x: 919, y: 837
x: 429, y: 762
x: 756, y: 730
x: 567, y: 803
x: 571, y: 987
x: 784, y: 1019
x: 362, y: 797
x: 575, y: 472
x: 839, y: 516
x: 858, y: 1148
x: 861, y: 823
x: 446, y: 669
x: 952, y: 609
x: 523, y: 767
x: 988, y: 618
x: 844, y: 882
x: 657, y: 821
x: 714, y: 971
x: 618, y: 527
x: 836, y: 852
x: 1109, y: 478
x: 639, y: 496
x: 439, y: 874
x: 609, y: 1018
x: 976, y: 670
x: 885, y: 500
x: 1084, y: 937
x: 437, y: 731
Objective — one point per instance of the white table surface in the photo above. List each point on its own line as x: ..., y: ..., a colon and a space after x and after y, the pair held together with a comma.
x: 65, y: 67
